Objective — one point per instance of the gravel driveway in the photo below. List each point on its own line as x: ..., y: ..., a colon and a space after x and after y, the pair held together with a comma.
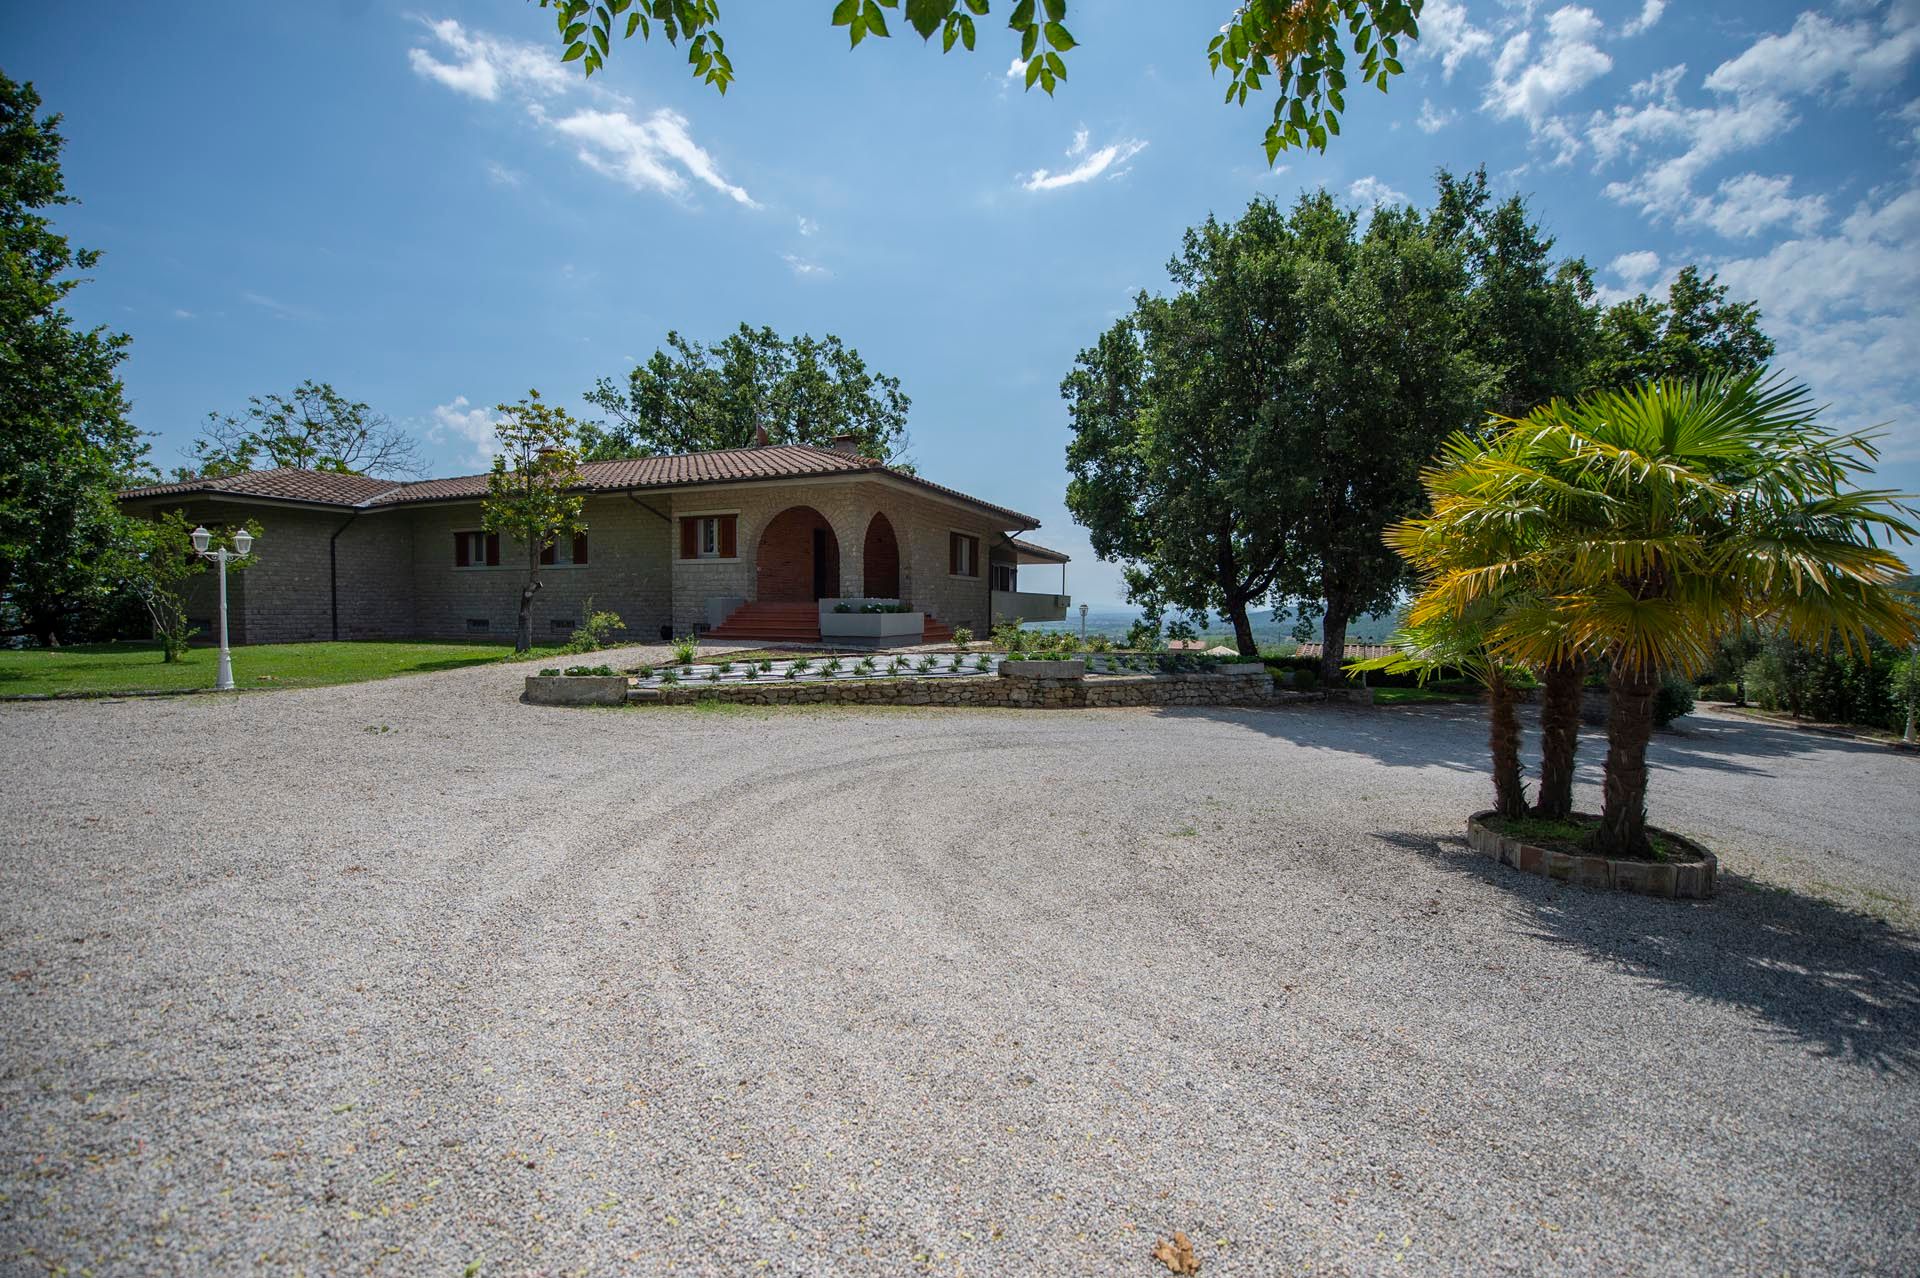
x: 406, y: 977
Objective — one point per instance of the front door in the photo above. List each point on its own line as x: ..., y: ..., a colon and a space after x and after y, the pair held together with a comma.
x: 821, y: 588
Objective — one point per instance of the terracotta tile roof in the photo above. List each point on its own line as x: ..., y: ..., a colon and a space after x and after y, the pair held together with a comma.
x: 287, y: 483
x: 1034, y: 552
x: 733, y: 465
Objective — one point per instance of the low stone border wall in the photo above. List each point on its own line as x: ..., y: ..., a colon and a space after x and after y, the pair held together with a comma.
x: 1675, y: 880
x: 1011, y: 691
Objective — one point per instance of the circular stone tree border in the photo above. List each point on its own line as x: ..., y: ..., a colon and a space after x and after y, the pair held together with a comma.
x: 1675, y: 880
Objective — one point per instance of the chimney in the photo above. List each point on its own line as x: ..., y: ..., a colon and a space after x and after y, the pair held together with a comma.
x: 760, y: 436
x: 849, y: 444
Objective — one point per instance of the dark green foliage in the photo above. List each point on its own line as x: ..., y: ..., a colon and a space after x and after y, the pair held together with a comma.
x: 1301, y: 45
x: 66, y: 446
x: 1694, y: 333
x: 1672, y: 699
x: 690, y: 398
x: 1829, y: 687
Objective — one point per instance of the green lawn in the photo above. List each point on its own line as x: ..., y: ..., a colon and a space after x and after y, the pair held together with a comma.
x: 136, y: 666
x: 1436, y: 692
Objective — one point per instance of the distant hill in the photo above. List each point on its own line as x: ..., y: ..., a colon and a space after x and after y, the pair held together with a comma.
x: 1271, y: 628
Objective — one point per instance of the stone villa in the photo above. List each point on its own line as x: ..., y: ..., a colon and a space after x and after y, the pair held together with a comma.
x: 756, y: 543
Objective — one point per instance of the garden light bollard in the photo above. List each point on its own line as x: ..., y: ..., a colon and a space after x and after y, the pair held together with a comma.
x: 242, y: 546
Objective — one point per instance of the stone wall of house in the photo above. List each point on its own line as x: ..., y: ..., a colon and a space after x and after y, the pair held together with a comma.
x: 920, y: 524
x: 1007, y: 692
x: 628, y: 571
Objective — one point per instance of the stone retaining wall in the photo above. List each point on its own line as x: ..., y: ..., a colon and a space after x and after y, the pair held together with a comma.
x: 1010, y: 691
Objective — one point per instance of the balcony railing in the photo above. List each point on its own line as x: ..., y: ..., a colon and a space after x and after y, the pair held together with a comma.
x: 1010, y: 605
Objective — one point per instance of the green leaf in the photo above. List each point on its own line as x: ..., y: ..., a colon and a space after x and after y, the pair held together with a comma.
x: 948, y: 36
x: 1029, y: 42
x: 845, y: 12
x: 1059, y: 37
x: 1033, y: 71
x: 876, y: 21
x: 1022, y: 17
x: 858, y: 30
x: 574, y: 32
x: 978, y: 8
x: 574, y: 51
x: 966, y: 32
x: 1056, y: 66
x: 1056, y: 10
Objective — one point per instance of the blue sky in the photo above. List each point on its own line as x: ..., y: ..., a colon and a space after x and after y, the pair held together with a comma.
x: 418, y: 205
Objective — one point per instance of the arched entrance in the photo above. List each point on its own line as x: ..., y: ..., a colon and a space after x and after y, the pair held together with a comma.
x: 882, y: 560
x: 799, y: 558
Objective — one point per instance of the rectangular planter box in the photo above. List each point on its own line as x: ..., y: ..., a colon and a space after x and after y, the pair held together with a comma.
x: 873, y: 627
x: 1043, y: 669
x: 576, y: 690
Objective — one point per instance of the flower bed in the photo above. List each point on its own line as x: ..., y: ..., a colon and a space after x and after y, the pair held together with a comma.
x: 1683, y: 869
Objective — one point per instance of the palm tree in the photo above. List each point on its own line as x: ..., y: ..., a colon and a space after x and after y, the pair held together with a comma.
x: 1635, y: 527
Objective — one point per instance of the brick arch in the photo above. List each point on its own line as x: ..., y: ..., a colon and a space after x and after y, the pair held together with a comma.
x: 880, y: 555
x: 786, y: 566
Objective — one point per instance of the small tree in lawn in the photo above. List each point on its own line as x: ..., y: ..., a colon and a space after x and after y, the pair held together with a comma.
x: 530, y: 493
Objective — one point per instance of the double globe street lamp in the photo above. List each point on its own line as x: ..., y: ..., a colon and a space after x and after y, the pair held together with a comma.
x: 242, y: 546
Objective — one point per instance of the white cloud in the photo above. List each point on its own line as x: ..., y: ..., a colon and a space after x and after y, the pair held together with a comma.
x: 1819, y: 55
x: 1432, y: 120
x: 1749, y: 204
x: 656, y: 153
x: 1635, y: 269
x: 183, y: 314
x: 1696, y: 138
x: 1092, y: 163
x: 500, y: 175
x: 277, y: 308
x: 1445, y: 31
x: 1017, y: 69
x: 808, y: 226
x: 1372, y: 192
x: 1650, y: 13
x: 460, y: 422
x: 482, y: 65
x: 1842, y: 309
x: 805, y: 268
x: 644, y: 153
x: 1528, y: 83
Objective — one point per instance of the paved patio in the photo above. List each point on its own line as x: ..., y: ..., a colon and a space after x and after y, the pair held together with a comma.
x: 398, y: 977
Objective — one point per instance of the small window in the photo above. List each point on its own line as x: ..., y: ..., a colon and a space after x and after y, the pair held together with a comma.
x: 559, y: 623
x: 566, y: 553
x: 478, y: 624
x: 1003, y: 577
x: 708, y: 536
x: 473, y: 549
x: 963, y: 555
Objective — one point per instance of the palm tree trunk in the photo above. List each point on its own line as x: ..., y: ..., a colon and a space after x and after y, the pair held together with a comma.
x: 1503, y: 737
x: 1559, y: 737
x: 1623, y: 818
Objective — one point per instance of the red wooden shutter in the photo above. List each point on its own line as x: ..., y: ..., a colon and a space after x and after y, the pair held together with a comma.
x: 546, y: 555
x: 493, y: 550
x: 689, y: 539
x: 460, y: 559
x: 580, y: 549
x: 729, y: 531
x: 953, y: 553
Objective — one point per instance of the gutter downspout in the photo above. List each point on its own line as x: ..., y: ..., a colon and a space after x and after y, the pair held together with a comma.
x: 333, y: 573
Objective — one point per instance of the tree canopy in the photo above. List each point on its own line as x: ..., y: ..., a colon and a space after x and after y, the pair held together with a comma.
x: 67, y: 446
x: 690, y: 397
x: 1301, y: 46
x: 530, y: 490
x: 1248, y: 439
x: 315, y: 428
x: 1694, y: 333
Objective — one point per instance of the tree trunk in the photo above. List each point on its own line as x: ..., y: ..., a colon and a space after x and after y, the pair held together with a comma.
x: 1503, y: 737
x: 1559, y: 737
x: 1333, y: 643
x: 1242, y: 629
x: 1623, y: 817
x: 523, y: 637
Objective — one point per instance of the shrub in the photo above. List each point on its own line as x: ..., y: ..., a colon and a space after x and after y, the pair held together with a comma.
x: 595, y: 631
x: 1718, y: 692
x: 1009, y: 637
x: 669, y: 676
x: 843, y: 607
x: 962, y: 636
x: 752, y: 671
x: 684, y: 651
x: 1099, y: 643
x: 766, y: 665
x: 645, y: 672
x: 801, y: 666
x: 1672, y: 699
x: 1306, y: 680
x: 550, y: 671
x: 725, y: 667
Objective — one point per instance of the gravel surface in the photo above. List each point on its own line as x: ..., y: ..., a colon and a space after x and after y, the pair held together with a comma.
x: 406, y: 977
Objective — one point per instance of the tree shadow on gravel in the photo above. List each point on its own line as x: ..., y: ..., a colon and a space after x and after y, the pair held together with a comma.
x: 1843, y: 984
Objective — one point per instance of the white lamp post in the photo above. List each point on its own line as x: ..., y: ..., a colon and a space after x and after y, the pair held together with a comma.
x: 242, y: 546
x: 1083, y: 625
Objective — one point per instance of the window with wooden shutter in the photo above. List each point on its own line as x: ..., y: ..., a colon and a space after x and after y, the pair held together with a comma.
x: 580, y: 549
x: 689, y: 538
x: 963, y: 555
x: 493, y: 550
x: 547, y: 557
x: 462, y: 550
x: 729, y: 536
